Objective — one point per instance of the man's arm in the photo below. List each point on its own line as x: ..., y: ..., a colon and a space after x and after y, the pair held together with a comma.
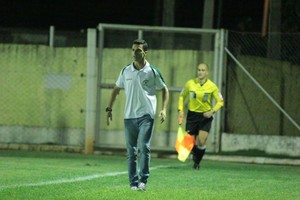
x: 113, y: 97
x: 165, y: 99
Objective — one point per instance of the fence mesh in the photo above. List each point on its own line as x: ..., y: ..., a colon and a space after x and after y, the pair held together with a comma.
x: 274, y: 62
x: 42, y: 37
x: 42, y: 88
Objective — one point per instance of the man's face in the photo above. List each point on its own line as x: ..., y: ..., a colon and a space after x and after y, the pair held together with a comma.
x: 138, y: 52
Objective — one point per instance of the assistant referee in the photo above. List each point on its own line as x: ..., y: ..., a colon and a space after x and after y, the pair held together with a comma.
x: 200, y: 92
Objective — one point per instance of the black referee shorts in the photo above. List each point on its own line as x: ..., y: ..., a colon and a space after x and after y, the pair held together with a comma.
x: 196, y: 121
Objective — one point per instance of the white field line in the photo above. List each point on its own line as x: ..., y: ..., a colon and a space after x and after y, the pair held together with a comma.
x: 71, y: 180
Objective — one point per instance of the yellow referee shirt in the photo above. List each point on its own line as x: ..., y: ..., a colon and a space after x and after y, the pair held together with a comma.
x: 200, y: 97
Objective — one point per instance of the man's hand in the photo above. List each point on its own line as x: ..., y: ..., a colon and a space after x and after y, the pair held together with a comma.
x: 162, y: 116
x: 180, y: 117
x: 108, y: 117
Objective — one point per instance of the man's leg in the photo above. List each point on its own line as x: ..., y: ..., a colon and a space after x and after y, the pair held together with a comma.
x: 145, y: 134
x: 131, y: 136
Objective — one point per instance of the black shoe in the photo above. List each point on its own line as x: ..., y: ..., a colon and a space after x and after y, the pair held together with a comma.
x: 196, y: 166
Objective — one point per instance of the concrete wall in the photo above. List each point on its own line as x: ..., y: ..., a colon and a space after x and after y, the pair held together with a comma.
x: 280, y: 145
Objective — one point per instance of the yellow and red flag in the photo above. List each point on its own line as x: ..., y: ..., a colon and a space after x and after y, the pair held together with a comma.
x: 184, y: 144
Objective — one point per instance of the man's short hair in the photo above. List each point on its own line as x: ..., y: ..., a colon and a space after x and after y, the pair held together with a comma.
x: 143, y: 42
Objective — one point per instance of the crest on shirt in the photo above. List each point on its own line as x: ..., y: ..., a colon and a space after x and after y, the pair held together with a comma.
x: 193, y: 95
x: 205, y: 97
x: 145, y: 82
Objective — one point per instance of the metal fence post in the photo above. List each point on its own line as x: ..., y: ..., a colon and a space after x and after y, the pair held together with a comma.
x: 219, y: 81
x: 91, y: 92
x: 51, y: 36
x: 215, y: 129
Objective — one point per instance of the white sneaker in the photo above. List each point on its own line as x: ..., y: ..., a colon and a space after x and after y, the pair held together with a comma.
x: 134, y: 188
x: 142, y: 186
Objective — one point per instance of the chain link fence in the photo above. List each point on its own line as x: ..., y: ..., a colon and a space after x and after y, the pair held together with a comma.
x: 42, y: 37
x: 274, y: 61
x: 42, y: 88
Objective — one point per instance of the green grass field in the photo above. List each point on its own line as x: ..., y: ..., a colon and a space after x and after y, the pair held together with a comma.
x: 49, y: 175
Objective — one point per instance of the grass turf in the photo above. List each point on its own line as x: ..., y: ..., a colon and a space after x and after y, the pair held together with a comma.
x: 49, y: 175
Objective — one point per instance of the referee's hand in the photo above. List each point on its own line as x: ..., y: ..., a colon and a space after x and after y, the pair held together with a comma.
x: 208, y: 114
x: 180, y: 117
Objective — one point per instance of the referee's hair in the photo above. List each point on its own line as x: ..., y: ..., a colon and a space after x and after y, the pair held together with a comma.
x: 205, y: 65
x: 143, y: 42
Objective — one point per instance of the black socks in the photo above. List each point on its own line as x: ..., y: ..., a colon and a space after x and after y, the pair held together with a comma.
x: 198, y: 153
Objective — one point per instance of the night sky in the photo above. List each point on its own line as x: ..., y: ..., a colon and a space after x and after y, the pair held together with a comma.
x: 79, y: 14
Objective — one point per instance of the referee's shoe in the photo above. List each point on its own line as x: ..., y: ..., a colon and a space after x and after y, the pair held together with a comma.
x: 196, y: 166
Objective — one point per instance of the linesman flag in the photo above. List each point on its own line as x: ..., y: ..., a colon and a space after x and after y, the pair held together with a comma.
x: 184, y: 144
